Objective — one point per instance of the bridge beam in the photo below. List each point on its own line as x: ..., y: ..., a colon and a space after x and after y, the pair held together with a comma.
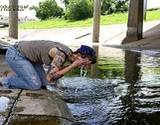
x: 135, y: 21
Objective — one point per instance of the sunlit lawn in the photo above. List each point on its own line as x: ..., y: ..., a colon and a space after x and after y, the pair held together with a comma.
x: 116, y: 18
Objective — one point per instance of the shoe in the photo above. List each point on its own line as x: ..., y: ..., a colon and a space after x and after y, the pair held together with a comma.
x: 3, y: 75
x: 1, y: 84
x: 43, y: 87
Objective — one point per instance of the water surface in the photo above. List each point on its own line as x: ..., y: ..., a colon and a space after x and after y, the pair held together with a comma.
x: 122, y: 89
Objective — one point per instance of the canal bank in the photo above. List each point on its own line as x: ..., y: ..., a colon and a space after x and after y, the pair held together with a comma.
x: 26, y: 107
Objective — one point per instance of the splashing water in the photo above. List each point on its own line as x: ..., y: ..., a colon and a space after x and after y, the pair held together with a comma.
x: 91, y: 100
x: 83, y: 71
x: 4, y: 101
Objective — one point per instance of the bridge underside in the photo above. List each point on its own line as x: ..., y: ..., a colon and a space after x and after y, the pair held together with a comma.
x: 150, y: 41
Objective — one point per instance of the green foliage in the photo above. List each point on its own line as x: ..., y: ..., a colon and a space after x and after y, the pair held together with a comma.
x: 122, y: 6
x: 48, y: 9
x: 79, y: 9
x: 115, y: 18
x: 113, y: 6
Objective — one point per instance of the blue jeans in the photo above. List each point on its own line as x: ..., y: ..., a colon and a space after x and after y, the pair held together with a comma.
x: 28, y: 75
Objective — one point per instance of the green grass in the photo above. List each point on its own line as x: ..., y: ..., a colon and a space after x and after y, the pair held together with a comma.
x: 153, y: 15
x: 55, y: 23
x: 116, y: 18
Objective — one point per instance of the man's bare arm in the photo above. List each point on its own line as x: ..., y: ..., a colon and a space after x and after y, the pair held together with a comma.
x: 61, y: 72
x: 56, y: 65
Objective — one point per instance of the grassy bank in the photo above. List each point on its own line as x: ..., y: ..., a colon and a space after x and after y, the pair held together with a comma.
x: 117, y: 18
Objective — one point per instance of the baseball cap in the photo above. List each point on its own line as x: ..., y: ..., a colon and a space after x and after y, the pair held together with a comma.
x: 86, y: 50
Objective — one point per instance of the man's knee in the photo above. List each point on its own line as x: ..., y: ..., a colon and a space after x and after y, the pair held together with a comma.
x: 35, y: 84
x: 35, y: 87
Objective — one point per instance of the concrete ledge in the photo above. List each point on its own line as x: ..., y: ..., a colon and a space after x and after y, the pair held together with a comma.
x: 4, y: 23
x: 35, y: 108
x: 7, y: 100
x: 6, y: 40
x: 36, y: 120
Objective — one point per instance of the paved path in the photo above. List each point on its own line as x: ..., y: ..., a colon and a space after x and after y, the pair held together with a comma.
x: 109, y: 34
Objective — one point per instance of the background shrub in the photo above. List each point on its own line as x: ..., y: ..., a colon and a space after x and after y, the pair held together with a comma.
x: 79, y: 9
x: 113, y: 6
x: 48, y: 9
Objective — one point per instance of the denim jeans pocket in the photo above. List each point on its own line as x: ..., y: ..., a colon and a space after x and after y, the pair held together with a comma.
x: 13, y: 54
x: 10, y: 54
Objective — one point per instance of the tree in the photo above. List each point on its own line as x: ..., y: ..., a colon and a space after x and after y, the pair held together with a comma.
x: 48, y: 9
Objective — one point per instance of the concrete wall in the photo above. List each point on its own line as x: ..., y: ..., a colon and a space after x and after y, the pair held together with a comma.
x: 153, y: 4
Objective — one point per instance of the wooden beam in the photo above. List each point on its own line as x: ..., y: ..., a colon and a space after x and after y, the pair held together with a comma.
x: 135, y: 21
x: 96, y: 21
x: 96, y: 29
x: 13, y: 19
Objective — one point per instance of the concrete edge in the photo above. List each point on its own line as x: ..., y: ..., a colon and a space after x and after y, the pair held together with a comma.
x: 67, y: 118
